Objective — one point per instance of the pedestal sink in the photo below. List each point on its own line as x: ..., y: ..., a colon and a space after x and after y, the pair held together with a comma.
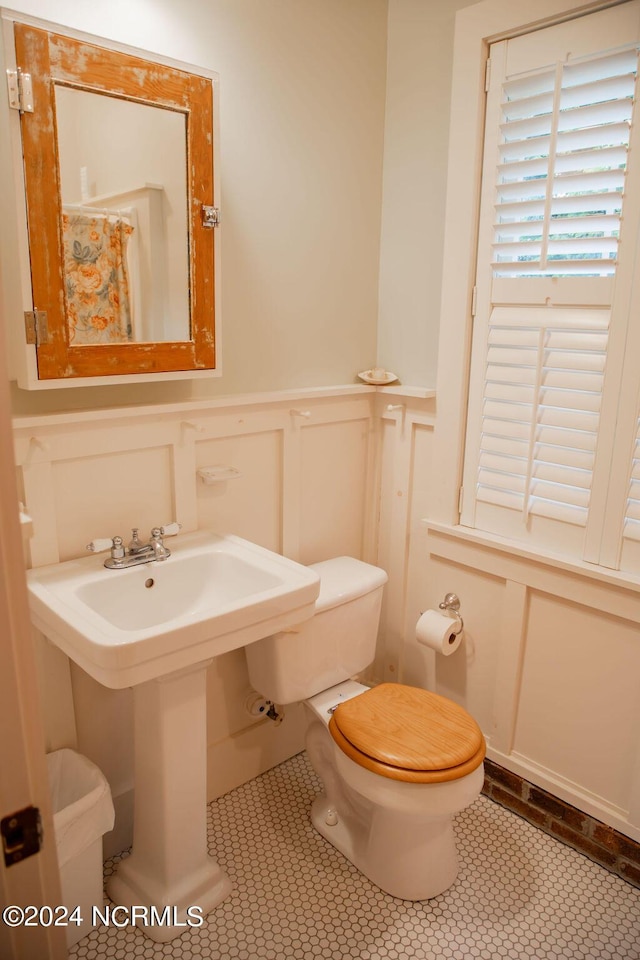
x: 156, y: 627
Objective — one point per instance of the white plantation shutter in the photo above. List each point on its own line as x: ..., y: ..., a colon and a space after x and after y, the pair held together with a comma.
x: 561, y: 169
x: 541, y: 406
x: 551, y: 327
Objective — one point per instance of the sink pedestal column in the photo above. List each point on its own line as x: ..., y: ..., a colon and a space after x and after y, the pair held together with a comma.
x: 169, y: 865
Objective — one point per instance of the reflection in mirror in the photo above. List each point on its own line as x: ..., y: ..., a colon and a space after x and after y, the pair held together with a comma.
x: 98, y: 106
x: 123, y: 183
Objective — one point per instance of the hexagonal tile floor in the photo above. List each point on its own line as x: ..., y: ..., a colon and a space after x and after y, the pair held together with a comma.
x: 520, y: 894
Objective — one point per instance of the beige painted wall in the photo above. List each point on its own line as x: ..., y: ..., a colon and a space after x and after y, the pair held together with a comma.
x: 420, y: 50
x: 302, y: 99
x: 318, y: 245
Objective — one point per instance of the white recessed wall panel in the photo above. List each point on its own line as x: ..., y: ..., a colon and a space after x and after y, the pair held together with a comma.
x: 404, y: 441
x: 104, y: 721
x: 249, y: 505
x: 104, y: 709
x: 227, y: 689
x: 390, y: 638
x: 579, y: 707
x: 333, y: 481
x: 105, y: 496
x: 421, y: 467
x: 468, y: 675
x: 415, y: 668
x: 387, y: 451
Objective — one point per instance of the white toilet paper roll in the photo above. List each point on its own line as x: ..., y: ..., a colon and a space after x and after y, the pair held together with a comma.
x: 438, y: 632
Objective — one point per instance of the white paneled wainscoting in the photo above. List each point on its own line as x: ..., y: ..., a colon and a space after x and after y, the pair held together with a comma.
x: 550, y: 663
x: 303, y: 483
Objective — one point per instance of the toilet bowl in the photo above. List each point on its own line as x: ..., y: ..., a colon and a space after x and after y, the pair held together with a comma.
x: 396, y: 762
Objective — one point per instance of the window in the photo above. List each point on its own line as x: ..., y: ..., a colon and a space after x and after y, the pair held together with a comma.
x: 553, y: 393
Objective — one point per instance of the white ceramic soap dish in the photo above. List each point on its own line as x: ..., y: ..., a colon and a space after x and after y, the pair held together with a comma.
x: 378, y: 377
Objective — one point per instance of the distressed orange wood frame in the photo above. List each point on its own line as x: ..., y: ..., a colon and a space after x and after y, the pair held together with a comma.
x: 52, y: 58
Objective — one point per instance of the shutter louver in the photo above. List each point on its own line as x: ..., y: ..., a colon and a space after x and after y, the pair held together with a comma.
x: 632, y: 513
x: 541, y: 405
x: 562, y: 163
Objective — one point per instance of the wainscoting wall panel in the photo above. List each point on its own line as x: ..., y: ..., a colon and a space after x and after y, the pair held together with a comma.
x: 550, y: 662
x: 333, y: 478
x: 405, y: 426
x: 565, y: 645
x: 305, y: 463
x: 249, y: 505
x: 579, y: 704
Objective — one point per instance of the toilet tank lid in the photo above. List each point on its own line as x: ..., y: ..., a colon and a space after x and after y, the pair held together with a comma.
x: 345, y: 578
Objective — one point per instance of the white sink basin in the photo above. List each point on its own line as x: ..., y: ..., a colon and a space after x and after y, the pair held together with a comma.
x: 213, y: 594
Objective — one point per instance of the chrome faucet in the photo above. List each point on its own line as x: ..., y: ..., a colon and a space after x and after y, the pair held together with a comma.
x: 136, y: 551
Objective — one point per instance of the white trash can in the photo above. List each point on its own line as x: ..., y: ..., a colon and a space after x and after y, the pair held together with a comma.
x: 82, y: 813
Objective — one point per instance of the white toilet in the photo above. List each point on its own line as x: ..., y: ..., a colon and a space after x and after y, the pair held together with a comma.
x: 396, y: 761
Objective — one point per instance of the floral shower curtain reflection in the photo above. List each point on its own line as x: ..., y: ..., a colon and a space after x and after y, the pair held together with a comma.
x: 99, y: 308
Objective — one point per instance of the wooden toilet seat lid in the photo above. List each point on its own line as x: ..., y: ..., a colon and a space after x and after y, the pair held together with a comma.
x: 407, y: 733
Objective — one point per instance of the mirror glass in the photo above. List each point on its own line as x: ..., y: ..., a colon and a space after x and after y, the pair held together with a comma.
x: 118, y: 157
x: 125, y: 232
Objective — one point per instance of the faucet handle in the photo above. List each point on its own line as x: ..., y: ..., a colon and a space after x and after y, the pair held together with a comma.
x: 97, y: 546
x: 115, y: 545
x: 170, y: 529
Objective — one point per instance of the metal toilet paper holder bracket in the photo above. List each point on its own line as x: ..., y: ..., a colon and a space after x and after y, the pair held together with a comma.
x: 451, y: 604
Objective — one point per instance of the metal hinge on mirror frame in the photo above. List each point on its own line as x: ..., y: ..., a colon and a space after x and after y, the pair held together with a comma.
x: 20, y: 90
x: 210, y: 216
x: 35, y: 326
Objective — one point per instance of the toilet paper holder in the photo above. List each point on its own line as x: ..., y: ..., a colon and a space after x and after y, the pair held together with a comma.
x: 451, y: 604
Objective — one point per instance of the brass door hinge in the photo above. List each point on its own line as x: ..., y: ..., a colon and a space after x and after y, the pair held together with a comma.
x: 36, y: 328
x: 20, y: 90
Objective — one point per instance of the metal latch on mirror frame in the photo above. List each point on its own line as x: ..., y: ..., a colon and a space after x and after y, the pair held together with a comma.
x: 20, y: 90
x: 36, y: 326
x: 210, y: 216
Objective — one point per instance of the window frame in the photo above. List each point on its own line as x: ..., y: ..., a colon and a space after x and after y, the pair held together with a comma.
x: 544, y: 523
x: 477, y: 27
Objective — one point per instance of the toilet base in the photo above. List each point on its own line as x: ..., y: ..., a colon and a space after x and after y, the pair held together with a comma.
x: 399, y: 835
x: 405, y: 862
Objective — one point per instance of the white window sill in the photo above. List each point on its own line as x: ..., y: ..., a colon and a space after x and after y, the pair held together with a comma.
x: 512, y: 548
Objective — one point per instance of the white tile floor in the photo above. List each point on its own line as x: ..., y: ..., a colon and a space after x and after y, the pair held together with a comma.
x: 519, y: 894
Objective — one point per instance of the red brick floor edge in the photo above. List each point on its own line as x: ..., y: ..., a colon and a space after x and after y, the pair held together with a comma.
x: 596, y: 840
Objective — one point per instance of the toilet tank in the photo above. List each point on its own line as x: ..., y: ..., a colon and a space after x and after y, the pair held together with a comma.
x: 336, y: 643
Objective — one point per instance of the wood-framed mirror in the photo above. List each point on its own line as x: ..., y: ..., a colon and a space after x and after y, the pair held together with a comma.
x: 119, y: 182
